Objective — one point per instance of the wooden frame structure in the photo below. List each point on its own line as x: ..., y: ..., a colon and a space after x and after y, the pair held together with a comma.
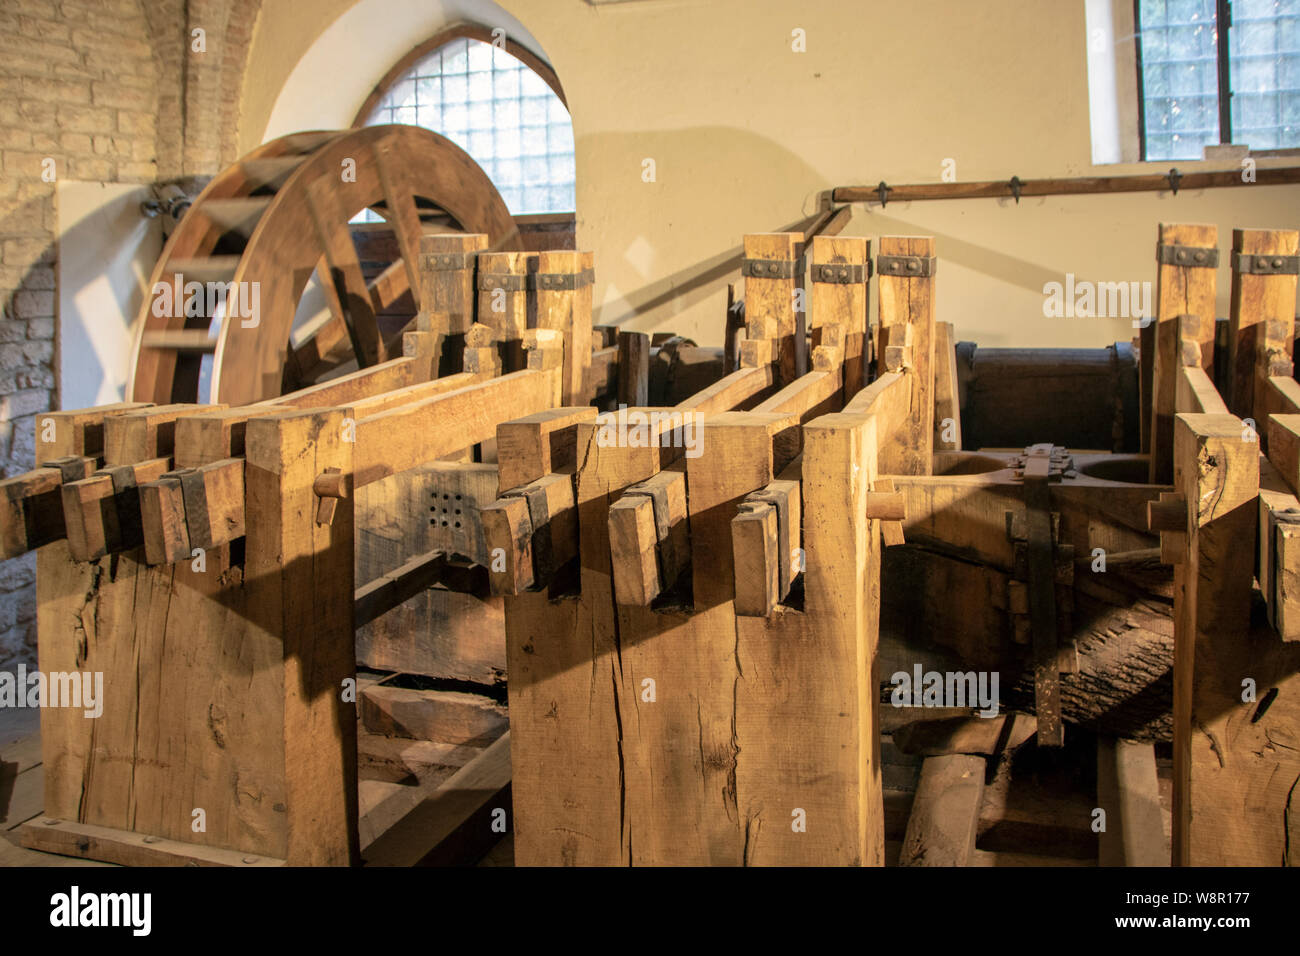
x: 202, y: 559
x: 692, y: 591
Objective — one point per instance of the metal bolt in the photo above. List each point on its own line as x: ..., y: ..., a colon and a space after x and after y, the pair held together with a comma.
x: 826, y: 272
x: 250, y: 859
x: 844, y: 273
x: 1199, y: 257
x: 1277, y: 263
x: 150, y: 839
x: 913, y: 266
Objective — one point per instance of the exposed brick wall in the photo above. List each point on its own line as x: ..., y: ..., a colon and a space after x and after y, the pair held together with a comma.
x: 111, y: 92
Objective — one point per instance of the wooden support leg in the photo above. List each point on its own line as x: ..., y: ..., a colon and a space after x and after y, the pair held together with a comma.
x: 811, y: 677
x: 300, y: 577
x: 945, y: 812
x: 1127, y: 789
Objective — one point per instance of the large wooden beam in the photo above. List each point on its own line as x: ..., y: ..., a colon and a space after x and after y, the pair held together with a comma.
x: 905, y: 273
x: 1262, y: 318
x: 774, y: 275
x: 1186, y: 260
x: 840, y: 272
x: 564, y: 290
x: 1236, y: 690
x: 447, y: 309
x: 410, y: 435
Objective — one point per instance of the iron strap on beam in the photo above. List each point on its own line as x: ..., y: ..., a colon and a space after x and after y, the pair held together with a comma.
x: 771, y: 268
x: 911, y: 267
x: 840, y: 273
x: 563, y: 281
x: 1265, y: 265
x: 545, y: 281
x: 506, y: 281
x: 1206, y: 257
x: 447, y: 261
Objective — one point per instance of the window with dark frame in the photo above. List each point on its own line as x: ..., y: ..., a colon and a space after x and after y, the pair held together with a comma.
x: 1215, y: 71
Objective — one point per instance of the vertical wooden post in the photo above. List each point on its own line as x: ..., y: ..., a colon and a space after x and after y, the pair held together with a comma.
x: 905, y: 271
x: 633, y: 369
x: 504, y: 302
x: 808, y: 767
x: 1186, y: 258
x: 64, y: 588
x: 447, y: 266
x: 568, y: 764
x: 947, y: 400
x: 840, y: 272
x: 1233, y: 785
x: 1262, y: 318
x: 564, y: 289
x: 300, y: 577
x: 773, y: 270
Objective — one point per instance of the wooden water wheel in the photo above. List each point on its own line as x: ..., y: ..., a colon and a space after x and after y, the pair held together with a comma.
x: 275, y: 218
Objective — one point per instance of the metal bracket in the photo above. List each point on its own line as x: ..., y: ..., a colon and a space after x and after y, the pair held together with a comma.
x: 71, y: 468
x: 771, y: 268
x: 1194, y: 256
x: 491, y: 281
x: 447, y: 261
x: 1259, y: 264
x: 1016, y: 185
x: 909, y: 266
x: 126, y: 504
x: 564, y: 281
x: 1174, y: 177
x: 840, y: 273
x: 194, y: 492
x: 883, y: 192
x: 1060, y: 463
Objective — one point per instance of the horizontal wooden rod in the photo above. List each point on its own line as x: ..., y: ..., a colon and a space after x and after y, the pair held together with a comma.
x: 1079, y: 186
x: 378, y: 597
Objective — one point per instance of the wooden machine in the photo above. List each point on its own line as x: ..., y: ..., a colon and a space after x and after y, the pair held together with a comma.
x: 690, y: 572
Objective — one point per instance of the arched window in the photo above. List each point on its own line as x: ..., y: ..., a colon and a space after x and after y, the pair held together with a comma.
x: 501, y: 105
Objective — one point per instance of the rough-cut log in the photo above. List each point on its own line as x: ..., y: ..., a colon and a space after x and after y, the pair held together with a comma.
x: 1119, y: 681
